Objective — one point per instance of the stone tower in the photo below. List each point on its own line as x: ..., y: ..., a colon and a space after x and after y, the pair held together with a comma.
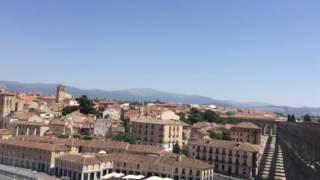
x: 60, y: 93
x: 7, y: 103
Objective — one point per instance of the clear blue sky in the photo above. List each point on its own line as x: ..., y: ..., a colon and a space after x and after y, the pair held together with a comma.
x: 265, y: 51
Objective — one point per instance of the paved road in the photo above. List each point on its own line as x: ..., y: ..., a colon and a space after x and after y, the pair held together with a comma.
x: 2, y: 177
x: 11, y: 171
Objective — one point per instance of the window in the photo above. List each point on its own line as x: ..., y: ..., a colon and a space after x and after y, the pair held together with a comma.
x: 198, y: 149
x: 237, y: 161
x: 204, y: 150
x: 244, y: 171
x: 217, y: 151
x: 245, y: 162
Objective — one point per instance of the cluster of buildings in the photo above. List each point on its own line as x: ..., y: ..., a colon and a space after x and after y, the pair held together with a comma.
x: 79, y: 159
x: 30, y: 124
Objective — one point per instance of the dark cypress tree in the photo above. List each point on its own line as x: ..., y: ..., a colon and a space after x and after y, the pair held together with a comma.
x: 176, y: 149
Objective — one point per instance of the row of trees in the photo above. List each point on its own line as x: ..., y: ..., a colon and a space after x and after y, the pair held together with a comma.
x: 124, y: 137
x: 306, y: 118
x: 291, y: 118
x: 196, y: 115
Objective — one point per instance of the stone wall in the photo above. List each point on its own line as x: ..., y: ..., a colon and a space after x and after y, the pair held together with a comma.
x: 301, y: 148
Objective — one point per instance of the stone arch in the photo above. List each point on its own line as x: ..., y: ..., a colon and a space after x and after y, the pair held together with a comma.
x: 269, y: 129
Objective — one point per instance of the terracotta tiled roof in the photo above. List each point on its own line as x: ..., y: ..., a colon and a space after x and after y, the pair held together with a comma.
x: 247, y: 125
x: 7, y: 93
x: 35, y: 145
x: 167, y: 163
x: 57, y: 122
x: 157, y: 121
x: 227, y: 145
x: 103, y: 144
x: 138, y: 148
x: 85, y: 159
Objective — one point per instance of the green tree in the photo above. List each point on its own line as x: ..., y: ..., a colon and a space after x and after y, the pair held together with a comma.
x: 210, y: 116
x: 291, y: 118
x: 185, y: 152
x: 158, y: 102
x: 195, y: 115
x: 63, y: 136
x: 86, y: 105
x: 176, y: 148
x: 307, y: 118
x: 69, y: 109
x: 125, y: 137
x: 86, y: 137
x: 182, y: 116
x: 226, y: 136
x: 126, y: 124
x: 32, y: 110
x: 216, y: 135
x: 230, y: 113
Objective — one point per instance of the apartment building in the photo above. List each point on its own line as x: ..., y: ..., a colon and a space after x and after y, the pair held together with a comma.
x: 79, y: 160
x: 82, y: 166
x: 32, y: 155
x: 95, y: 166
x: 227, y: 157
x: 159, y: 133
x: 73, y: 123
x: 246, y: 132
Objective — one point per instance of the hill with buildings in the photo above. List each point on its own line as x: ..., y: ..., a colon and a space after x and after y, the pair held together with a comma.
x: 145, y: 94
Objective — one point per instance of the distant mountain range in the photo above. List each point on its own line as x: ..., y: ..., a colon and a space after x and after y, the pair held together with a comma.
x: 145, y: 94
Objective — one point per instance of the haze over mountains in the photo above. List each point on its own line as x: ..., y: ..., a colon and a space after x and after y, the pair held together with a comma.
x: 146, y: 94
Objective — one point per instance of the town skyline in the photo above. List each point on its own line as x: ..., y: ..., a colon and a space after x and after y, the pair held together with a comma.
x: 138, y: 93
